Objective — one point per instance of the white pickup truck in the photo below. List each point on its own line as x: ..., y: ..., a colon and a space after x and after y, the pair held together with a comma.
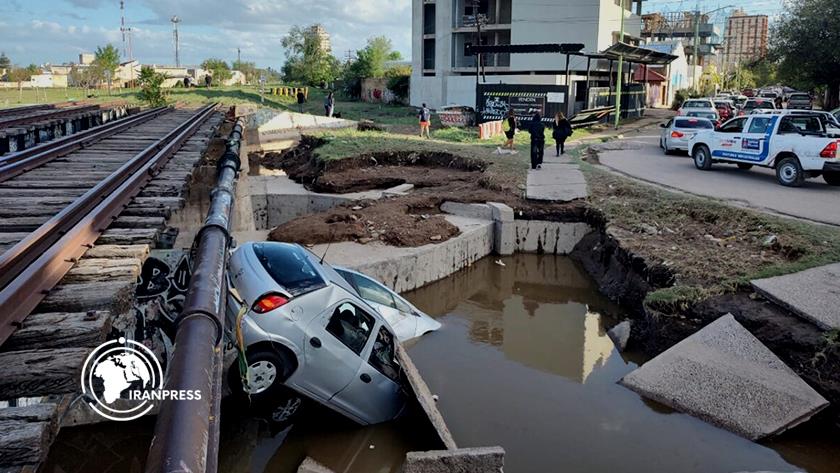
x: 796, y: 146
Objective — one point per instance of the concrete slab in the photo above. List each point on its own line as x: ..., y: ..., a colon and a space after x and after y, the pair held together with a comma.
x: 556, y: 181
x: 725, y: 376
x: 465, y: 460
x: 813, y: 294
x: 309, y: 465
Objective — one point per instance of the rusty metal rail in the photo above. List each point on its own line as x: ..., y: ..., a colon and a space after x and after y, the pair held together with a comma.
x: 40, y: 115
x: 187, y: 432
x: 14, y: 164
x: 6, y: 112
x: 34, y: 265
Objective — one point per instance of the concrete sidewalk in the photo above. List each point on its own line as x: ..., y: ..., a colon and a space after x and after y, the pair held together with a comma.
x: 813, y: 294
x: 557, y: 180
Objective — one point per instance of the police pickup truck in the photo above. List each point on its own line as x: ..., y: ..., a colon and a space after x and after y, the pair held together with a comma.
x: 795, y: 145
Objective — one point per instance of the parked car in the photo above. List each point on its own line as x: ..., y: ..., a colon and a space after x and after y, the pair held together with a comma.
x: 679, y: 130
x: 306, y: 328
x: 696, y: 104
x: 801, y: 101
x: 739, y: 100
x: 407, y: 321
x: 710, y: 115
x: 795, y: 145
x: 749, y: 93
x: 725, y: 108
x: 757, y: 104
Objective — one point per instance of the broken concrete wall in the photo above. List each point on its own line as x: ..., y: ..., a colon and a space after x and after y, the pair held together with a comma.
x: 464, y: 460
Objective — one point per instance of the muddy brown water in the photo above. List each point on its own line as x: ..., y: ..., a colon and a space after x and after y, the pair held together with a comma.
x: 522, y: 361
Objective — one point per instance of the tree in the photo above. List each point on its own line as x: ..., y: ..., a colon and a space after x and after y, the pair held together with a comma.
x: 5, y: 62
x: 306, y: 61
x: 21, y: 74
x: 218, y: 68
x: 151, y: 87
x: 105, y: 63
x: 370, y: 60
x: 804, y: 41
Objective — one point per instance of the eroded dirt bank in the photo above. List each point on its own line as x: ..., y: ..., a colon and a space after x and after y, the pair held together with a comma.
x: 412, y: 219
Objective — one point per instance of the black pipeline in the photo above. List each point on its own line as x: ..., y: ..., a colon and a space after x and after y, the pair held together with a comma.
x: 187, y: 432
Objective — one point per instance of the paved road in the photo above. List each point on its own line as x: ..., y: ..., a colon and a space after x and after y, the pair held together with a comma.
x: 642, y: 158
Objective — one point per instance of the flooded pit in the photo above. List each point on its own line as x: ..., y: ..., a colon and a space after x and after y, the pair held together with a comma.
x: 522, y: 361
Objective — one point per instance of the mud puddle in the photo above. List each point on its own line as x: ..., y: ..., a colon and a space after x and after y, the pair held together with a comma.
x: 523, y: 361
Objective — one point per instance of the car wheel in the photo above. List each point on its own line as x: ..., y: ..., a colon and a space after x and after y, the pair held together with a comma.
x: 267, y: 370
x: 744, y: 166
x: 702, y: 158
x: 665, y: 147
x: 832, y: 178
x: 789, y: 172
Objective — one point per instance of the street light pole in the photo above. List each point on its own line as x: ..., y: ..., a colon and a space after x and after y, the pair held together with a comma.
x: 620, y: 66
x: 696, y: 48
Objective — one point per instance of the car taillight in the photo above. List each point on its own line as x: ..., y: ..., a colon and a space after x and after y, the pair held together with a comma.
x: 269, y: 302
x: 677, y: 134
x: 830, y: 151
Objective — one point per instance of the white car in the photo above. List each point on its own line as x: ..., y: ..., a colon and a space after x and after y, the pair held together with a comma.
x: 407, y: 321
x: 795, y: 145
x: 679, y: 130
x: 696, y: 105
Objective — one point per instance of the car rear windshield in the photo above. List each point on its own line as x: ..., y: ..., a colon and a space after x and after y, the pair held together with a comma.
x: 693, y: 123
x: 697, y: 104
x: 752, y: 104
x: 289, y: 267
x: 800, y: 97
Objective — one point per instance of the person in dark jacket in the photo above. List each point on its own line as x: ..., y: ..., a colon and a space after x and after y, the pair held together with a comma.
x: 537, y: 131
x: 561, y: 129
x: 301, y: 99
x: 329, y: 104
x: 509, y: 127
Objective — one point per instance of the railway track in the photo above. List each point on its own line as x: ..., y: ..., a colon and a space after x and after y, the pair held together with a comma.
x: 77, y: 218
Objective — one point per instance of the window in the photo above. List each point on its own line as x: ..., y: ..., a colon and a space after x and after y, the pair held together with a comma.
x: 733, y: 126
x: 693, y: 123
x: 371, y: 291
x: 801, y: 124
x: 402, y: 306
x: 429, y: 53
x: 289, y: 267
x: 383, y: 357
x: 351, y: 326
x: 429, y: 18
x: 759, y: 125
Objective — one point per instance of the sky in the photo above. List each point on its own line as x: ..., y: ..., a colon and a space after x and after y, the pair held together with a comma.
x: 56, y: 31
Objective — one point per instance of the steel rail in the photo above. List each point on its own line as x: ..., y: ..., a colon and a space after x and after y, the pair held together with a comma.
x: 47, y: 115
x: 26, y: 108
x: 186, y: 434
x: 17, y: 163
x: 34, y: 265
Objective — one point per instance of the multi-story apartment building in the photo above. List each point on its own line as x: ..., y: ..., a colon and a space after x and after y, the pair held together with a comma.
x: 745, y: 38
x: 684, y: 26
x: 443, y: 74
x: 320, y: 33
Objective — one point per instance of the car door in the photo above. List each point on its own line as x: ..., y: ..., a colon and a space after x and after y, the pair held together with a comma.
x: 666, y: 131
x: 333, y: 350
x: 403, y: 323
x: 755, y: 138
x: 728, y: 138
x: 375, y: 394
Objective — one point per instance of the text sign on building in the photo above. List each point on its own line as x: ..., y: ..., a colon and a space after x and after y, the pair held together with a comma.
x: 495, y: 100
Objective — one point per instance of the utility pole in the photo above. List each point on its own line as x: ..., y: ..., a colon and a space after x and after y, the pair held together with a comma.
x: 620, y: 66
x: 122, y: 28
x: 175, y: 20
x: 238, y: 56
x: 696, y: 49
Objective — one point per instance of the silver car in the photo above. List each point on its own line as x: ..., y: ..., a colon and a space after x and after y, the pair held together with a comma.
x: 306, y: 328
x: 696, y: 105
x: 407, y: 321
x: 680, y: 130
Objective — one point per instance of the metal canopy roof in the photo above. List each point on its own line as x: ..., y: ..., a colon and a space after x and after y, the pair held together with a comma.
x: 637, y: 54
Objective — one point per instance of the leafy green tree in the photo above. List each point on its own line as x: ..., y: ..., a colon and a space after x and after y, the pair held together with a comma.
x: 151, y: 87
x: 5, y: 62
x: 306, y: 61
x: 21, y: 74
x: 105, y: 62
x: 805, y: 42
x: 218, y: 68
x: 370, y: 60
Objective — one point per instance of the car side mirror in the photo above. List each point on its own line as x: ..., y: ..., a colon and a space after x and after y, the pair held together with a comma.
x: 661, y: 125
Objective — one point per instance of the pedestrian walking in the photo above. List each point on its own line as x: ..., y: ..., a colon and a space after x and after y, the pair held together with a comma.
x: 509, y: 127
x: 208, y: 79
x: 537, y: 131
x: 561, y: 130
x: 301, y: 99
x: 425, y: 117
x: 329, y: 104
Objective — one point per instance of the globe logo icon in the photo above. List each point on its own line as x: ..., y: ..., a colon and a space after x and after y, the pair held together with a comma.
x: 124, y: 368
